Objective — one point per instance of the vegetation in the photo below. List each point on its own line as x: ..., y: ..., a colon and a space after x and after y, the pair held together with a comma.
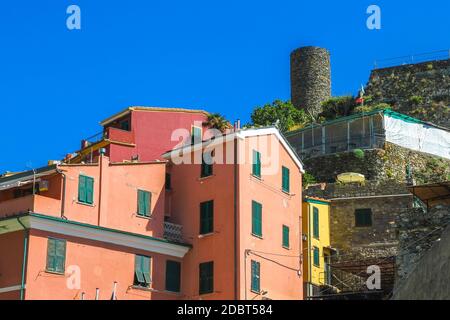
x: 337, y: 107
x: 283, y: 113
x: 217, y: 121
x: 358, y: 153
x: 308, y: 179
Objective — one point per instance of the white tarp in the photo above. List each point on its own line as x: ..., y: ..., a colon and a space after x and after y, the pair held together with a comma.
x: 417, y: 136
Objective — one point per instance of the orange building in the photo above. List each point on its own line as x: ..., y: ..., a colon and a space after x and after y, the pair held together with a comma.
x: 165, y: 229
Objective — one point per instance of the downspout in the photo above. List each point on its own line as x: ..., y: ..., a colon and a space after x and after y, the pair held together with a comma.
x: 235, y: 222
x: 309, y: 251
x: 25, y: 257
x: 63, y: 196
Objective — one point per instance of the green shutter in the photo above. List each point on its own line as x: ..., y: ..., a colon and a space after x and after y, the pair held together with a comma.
x: 206, y: 169
x: 145, y: 267
x: 56, y: 255
x: 256, y: 171
x: 173, y: 276
x: 256, y: 219
x: 207, y: 217
x: 316, y: 260
x: 255, y: 276
x: 144, y: 203
x: 139, y: 280
x: 316, y: 223
x: 89, y: 190
x: 196, y: 135
x: 82, y: 189
x: 285, y: 179
x: 286, y: 236
x: 206, y: 277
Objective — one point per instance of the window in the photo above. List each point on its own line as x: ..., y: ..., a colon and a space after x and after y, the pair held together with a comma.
x: 256, y: 219
x: 315, y: 223
x: 142, y: 271
x: 207, y: 217
x: 56, y: 255
x: 363, y: 218
x: 256, y: 170
x: 173, y: 276
x: 196, y: 135
x: 285, y: 180
x: 144, y: 203
x: 206, y: 284
x: 285, y: 236
x: 86, y: 189
x: 125, y: 125
x: 206, y: 168
x: 316, y: 256
x: 168, y: 184
x: 255, y: 277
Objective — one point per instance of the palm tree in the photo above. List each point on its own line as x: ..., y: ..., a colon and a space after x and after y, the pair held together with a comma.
x: 217, y: 121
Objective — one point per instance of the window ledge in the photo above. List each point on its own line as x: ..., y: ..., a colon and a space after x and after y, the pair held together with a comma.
x: 206, y: 235
x: 144, y: 217
x: 62, y: 274
x: 257, y: 236
x: 288, y: 193
x: 286, y: 248
x: 147, y: 289
x: 206, y: 178
x: 86, y: 204
x: 256, y: 177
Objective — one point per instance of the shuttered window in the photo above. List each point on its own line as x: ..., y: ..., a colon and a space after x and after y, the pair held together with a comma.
x: 206, y: 169
x: 85, y: 189
x: 56, y: 255
x: 142, y: 271
x: 144, y: 203
x: 196, y: 135
x: 207, y: 217
x: 285, y: 179
x: 173, y: 276
x: 316, y: 223
x: 255, y: 277
x: 206, y: 276
x: 256, y: 219
x: 285, y: 236
x: 316, y: 256
x: 256, y: 169
x: 363, y: 218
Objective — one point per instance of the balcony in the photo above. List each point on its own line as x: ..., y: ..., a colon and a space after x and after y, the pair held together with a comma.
x: 173, y: 232
x: 31, y: 203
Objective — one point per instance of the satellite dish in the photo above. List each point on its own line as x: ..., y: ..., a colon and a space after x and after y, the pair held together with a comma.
x: 351, y: 177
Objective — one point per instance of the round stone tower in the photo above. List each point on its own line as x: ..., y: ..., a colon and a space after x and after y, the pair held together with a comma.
x: 310, y: 78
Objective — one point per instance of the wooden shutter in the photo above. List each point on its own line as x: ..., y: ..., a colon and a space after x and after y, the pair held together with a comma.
x: 89, y: 190
x: 51, y: 258
x: 145, y: 267
x: 173, y: 276
x: 285, y: 179
x: 316, y: 223
x: 255, y: 276
x: 286, y: 236
x: 256, y: 218
x: 56, y: 255
x: 206, y: 277
x: 207, y: 217
x: 256, y: 171
x: 82, y: 189
x: 316, y: 257
x: 138, y: 270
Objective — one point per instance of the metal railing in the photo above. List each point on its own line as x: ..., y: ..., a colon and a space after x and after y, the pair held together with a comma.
x: 173, y: 232
x: 412, y: 59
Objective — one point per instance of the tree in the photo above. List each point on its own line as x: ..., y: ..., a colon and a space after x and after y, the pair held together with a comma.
x: 217, y: 121
x: 337, y: 107
x: 282, y: 113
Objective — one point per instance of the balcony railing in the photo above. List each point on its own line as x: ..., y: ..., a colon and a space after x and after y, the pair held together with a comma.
x: 31, y: 203
x: 111, y: 133
x: 173, y: 232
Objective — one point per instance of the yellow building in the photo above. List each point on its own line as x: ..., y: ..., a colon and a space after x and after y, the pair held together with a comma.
x: 316, y: 245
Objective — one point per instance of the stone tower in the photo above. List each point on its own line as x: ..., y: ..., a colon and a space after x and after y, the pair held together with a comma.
x: 310, y: 78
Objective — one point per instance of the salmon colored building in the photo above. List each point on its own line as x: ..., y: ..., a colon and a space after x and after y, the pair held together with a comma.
x: 158, y: 229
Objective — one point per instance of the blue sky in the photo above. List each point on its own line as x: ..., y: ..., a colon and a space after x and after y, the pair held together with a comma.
x: 225, y: 56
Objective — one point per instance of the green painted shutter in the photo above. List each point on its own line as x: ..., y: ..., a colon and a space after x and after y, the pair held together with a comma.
x: 144, y: 203
x: 207, y: 217
x: 256, y: 171
x: 145, y: 267
x: 139, y: 280
x: 255, y: 276
x: 285, y: 179
x: 51, y: 258
x: 89, y: 190
x: 316, y: 257
x: 82, y: 189
x: 206, y: 277
x: 316, y: 223
x: 256, y: 218
x: 173, y: 276
x: 285, y: 236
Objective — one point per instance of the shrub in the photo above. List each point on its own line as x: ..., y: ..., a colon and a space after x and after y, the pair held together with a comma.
x: 358, y: 153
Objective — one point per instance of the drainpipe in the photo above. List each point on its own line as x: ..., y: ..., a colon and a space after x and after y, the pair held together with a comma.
x: 309, y: 251
x: 63, y: 196
x: 25, y: 257
x: 235, y: 222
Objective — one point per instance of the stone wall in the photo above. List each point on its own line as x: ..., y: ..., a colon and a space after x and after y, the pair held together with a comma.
x: 310, y: 78
x: 419, y: 90
x: 424, y: 255
x: 386, y: 199
x: 380, y: 165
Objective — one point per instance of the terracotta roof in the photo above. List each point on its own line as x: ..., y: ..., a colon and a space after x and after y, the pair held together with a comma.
x: 433, y: 194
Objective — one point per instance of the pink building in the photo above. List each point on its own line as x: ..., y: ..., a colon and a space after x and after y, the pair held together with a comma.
x: 157, y: 229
